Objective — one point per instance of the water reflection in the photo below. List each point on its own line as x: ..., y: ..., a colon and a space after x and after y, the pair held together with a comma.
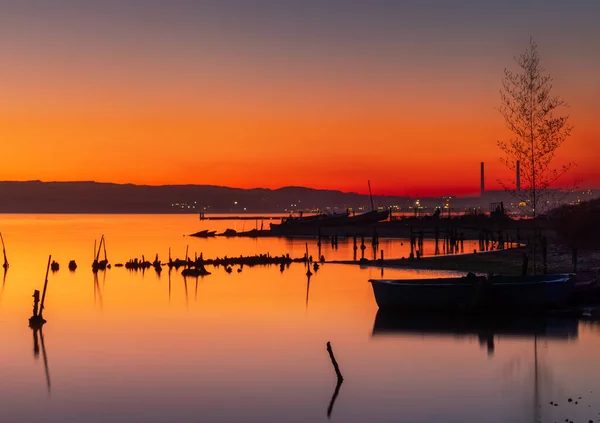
x: 38, y: 339
x: 388, y: 323
x: 3, y: 282
x: 98, y: 290
x: 336, y: 392
x: 308, y: 275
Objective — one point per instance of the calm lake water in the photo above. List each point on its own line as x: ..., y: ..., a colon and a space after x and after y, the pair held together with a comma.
x: 251, y: 346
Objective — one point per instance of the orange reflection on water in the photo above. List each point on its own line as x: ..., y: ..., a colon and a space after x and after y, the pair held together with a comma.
x: 247, y: 346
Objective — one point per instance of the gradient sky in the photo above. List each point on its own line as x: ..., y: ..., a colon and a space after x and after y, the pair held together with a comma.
x: 324, y: 94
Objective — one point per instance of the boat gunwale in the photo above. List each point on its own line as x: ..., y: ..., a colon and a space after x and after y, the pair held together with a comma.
x: 466, y: 281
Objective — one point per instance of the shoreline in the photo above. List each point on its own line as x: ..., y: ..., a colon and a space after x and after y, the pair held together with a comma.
x: 507, y: 262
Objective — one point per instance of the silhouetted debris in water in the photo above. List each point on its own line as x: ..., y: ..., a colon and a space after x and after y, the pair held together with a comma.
x: 72, y: 265
x: 54, y: 266
x: 229, y: 232
x: 157, y: 264
x: 37, y: 320
x: 259, y: 260
x: 5, y: 265
x: 204, y: 234
x: 100, y: 264
x: 119, y: 265
x: 195, y: 271
x: 137, y: 264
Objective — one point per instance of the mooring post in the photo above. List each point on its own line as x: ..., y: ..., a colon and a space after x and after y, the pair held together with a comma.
x: 319, y: 238
x: 334, y: 362
x: 45, y: 287
x: 5, y: 265
x: 381, y: 255
x: 36, y: 302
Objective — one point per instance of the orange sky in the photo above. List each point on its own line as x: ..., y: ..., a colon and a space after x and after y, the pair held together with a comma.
x: 157, y: 104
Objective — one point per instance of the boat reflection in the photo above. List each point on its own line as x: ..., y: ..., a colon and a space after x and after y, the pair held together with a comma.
x: 556, y: 328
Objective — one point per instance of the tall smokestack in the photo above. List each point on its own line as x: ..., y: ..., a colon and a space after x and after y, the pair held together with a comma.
x: 518, y: 176
x: 482, y: 179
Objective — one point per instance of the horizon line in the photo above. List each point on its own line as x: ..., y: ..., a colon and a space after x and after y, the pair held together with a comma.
x: 473, y: 194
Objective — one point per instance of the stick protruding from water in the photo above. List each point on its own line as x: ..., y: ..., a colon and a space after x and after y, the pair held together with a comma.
x: 334, y: 362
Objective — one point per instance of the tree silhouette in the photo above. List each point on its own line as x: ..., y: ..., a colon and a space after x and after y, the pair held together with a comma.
x: 530, y: 113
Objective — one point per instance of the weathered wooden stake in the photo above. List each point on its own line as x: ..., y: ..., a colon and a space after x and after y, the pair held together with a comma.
x: 36, y: 302
x: 99, y: 247
x: 104, y: 246
x: 334, y: 362
x: 5, y: 265
x: 45, y: 287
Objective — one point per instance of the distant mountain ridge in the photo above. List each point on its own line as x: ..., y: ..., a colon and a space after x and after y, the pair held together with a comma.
x: 100, y: 197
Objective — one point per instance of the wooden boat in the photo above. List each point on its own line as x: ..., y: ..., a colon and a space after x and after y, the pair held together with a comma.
x: 474, y: 293
x: 529, y: 292
x: 204, y: 234
x: 366, y: 218
x: 321, y: 219
x: 441, y: 294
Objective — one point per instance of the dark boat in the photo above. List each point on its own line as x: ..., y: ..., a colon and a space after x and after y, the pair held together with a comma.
x: 204, y: 234
x: 367, y: 218
x: 474, y: 293
x: 320, y: 219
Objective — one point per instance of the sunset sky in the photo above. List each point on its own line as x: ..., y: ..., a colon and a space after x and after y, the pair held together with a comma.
x: 325, y: 94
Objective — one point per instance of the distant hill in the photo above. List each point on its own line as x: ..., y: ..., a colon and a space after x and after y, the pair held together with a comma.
x: 94, y: 197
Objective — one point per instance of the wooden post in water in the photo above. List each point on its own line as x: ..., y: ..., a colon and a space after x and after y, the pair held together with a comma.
x: 334, y: 362
x: 308, y: 272
x: 5, y: 265
x: 36, y: 302
x: 319, y: 238
x: 340, y: 379
x: 45, y: 287
x: 104, y: 246
x: 99, y: 247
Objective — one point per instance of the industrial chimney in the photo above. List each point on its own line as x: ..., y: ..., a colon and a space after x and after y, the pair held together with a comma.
x: 482, y: 179
x: 518, y: 176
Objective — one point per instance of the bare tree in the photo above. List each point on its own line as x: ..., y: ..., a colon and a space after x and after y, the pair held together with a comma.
x: 530, y: 113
